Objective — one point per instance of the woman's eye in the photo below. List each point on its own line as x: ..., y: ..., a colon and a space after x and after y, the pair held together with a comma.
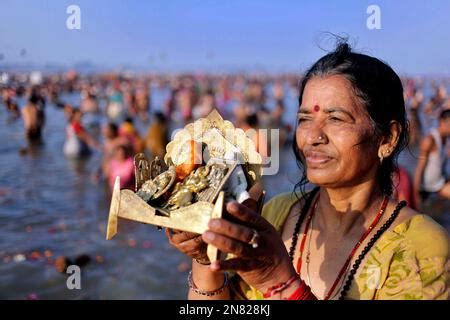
x: 335, y: 119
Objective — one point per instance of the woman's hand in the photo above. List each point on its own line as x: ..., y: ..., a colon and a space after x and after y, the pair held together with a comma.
x: 261, y: 267
x: 191, y: 244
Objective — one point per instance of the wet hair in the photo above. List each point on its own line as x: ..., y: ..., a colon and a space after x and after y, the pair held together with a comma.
x: 380, y: 91
x: 160, y: 117
x: 129, y: 120
x: 252, y: 120
x: 125, y: 148
x: 113, y: 127
x: 445, y: 114
x: 34, y: 98
x: 75, y: 111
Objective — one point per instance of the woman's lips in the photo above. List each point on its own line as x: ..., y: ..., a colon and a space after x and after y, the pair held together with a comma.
x: 317, y: 158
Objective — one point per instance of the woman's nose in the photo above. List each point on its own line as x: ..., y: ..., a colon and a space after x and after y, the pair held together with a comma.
x: 316, y: 135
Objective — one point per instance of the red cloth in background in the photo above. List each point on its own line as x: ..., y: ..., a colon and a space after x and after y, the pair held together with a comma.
x: 404, y: 189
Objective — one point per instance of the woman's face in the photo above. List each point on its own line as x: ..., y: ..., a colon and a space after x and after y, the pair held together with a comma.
x: 108, y: 132
x: 334, y: 134
x: 120, y: 154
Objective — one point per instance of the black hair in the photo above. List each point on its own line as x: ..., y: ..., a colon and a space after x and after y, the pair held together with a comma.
x: 160, y: 117
x: 34, y: 98
x: 129, y: 120
x: 445, y: 114
x: 113, y: 127
x: 379, y: 89
x: 252, y: 120
x: 125, y: 148
x: 74, y: 112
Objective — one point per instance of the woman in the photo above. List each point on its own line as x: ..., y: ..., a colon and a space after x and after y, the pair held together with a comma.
x: 157, y: 136
x: 78, y: 140
x: 122, y: 165
x: 346, y: 238
x: 129, y: 131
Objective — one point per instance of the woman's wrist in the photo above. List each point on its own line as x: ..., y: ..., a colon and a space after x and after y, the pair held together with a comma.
x: 279, y: 277
x: 204, y: 278
x: 279, y: 289
x: 293, y: 289
x: 207, y: 293
x: 202, y: 261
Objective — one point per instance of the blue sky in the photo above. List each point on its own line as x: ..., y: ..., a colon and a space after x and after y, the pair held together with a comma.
x: 203, y: 35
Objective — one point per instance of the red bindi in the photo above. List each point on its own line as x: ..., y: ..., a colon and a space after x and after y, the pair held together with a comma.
x: 316, y: 108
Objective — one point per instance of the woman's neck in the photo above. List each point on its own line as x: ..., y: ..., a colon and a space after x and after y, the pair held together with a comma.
x: 341, y: 210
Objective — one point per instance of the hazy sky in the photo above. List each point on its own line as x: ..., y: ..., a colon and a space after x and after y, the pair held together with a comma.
x: 414, y: 35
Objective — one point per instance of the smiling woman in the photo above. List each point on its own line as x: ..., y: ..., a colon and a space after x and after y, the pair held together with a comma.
x: 346, y: 239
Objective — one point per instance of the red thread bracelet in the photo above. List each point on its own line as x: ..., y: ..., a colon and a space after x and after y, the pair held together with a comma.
x: 279, y: 287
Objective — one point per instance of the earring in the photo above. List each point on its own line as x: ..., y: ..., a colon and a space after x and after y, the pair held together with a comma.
x: 381, y: 155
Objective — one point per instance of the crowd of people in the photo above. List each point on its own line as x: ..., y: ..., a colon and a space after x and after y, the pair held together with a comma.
x: 111, y: 105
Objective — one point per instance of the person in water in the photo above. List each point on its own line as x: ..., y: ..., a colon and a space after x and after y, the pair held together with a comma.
x: 121, y: 165
x: 430, y: 170
x: 33, y: 119
x: 157, y: 136
x: 347, y: 238
x: 78, y: 141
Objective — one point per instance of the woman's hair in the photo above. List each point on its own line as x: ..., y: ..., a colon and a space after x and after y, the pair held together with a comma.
x: 445, y: 114
x: 125, y: 148
x: 380, y: 91
x: 114, y: 128
x: 75, y: 112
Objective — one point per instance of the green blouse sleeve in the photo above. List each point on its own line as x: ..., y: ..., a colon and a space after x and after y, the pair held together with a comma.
x: 408, y: 263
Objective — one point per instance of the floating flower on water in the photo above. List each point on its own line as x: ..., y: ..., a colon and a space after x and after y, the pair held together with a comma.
x: 35, y: 255
x: 48, y: 253
x: 29, y: 229
x: 51, y: 230
x: 146, y: 244
x: 18, y: 258
x: 4, y: 192
x: 131, y: 243
x: 99, y: 259
x: 61, y: 264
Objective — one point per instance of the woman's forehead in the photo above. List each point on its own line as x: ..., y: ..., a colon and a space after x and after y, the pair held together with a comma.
x: 330, y: 91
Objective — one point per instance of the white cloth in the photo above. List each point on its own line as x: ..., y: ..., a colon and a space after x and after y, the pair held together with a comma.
x: 433, y: 176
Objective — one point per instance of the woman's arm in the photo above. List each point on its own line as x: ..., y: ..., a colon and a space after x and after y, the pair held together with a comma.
x: 425, y: 147
x: 202, y: 277
x: 265, y: 266
x: 208, y: 281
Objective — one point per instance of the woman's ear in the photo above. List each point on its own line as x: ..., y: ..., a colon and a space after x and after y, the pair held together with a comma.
x: 388, y: 143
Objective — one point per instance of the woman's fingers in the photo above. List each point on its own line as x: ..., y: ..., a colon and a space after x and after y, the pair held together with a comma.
x: 228, y: 245
x: 177, y: 236
x: 192, y: 247
x: 246, y: 215
x: 235, y: 264
x: 230, y: 229
x: 183, y: 242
